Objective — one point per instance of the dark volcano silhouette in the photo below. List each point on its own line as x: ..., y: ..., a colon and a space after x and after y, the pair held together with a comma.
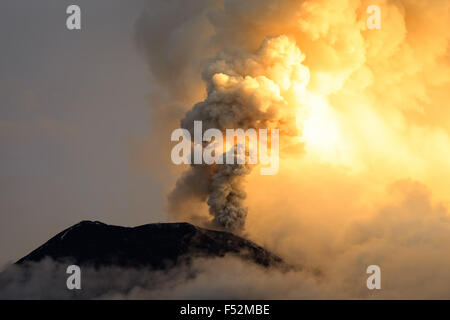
x: 157, y: 246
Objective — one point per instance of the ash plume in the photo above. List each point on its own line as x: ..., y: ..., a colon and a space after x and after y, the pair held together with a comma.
x: 244, y: 91
x: 378, y: 113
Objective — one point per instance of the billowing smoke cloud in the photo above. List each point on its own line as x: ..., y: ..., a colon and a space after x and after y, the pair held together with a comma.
x: 226, y: 200
x: 375, y: 111
x: 243, y: 91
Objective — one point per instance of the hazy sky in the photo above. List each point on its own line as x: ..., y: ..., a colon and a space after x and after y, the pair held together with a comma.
x: 70, y: 103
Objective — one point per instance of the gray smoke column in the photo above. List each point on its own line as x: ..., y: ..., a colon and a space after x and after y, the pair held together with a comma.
x: 227, y: 195
x: 244, y: 90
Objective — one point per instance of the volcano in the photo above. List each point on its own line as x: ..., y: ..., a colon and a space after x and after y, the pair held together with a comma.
x: 155, y: 246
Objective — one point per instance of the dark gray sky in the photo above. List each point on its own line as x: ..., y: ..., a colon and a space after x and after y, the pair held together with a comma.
x: 70, y: 103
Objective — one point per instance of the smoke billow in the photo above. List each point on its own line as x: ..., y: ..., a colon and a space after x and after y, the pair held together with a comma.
x: 370, y: 106
x: 244, y: 91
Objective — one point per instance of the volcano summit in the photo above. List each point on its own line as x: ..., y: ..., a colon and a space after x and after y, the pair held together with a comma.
x: 154, y: 246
